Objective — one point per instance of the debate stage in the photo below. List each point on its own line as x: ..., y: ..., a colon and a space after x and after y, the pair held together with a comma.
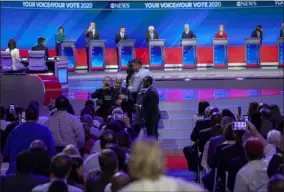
x: 187, y: 74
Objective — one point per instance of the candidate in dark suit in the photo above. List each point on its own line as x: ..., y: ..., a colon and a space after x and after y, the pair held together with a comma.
x: 187, y: 34
x: 121, y: 35
x: 151, y: 34
x: 282, y: 30
x: 41, y: 46
x: 91, y: 34
x: 257, y: 33
x: 150, y: 107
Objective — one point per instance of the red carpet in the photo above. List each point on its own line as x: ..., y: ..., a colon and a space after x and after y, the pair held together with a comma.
x: 176, y: 163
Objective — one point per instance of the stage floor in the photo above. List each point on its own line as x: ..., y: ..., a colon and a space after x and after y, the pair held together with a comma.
x: 189, y: 74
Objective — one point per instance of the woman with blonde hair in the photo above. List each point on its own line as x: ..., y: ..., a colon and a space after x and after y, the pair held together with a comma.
x: 146, y: 168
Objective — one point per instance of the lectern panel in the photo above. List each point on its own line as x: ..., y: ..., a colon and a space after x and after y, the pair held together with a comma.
x: 189, y: 53
x: 126, y: 56
x: 220, y: 55
x: 68, y: 52
x: 252, y: 54
x: 281, y: 54
x: 156, y: 56
x: 97, y: 57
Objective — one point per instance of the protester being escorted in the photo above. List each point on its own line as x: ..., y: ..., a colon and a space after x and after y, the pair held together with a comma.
x: 65, y: 128
x: 253, y: 176
x: 25, y: 133
x: 23, y: 180
x: 61, y: 166
x: 107, y: 97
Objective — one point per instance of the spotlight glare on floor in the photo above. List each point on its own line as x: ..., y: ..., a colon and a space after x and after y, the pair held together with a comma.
x: 239, y: 78
x: 187, y: 79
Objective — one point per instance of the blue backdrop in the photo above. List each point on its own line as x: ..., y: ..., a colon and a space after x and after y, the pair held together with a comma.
x: 27, y: 21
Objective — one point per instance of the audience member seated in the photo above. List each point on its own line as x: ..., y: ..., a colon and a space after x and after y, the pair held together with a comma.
x: 190, y: 152
x: 266, y: 123
x: 276, y: 116
x: 89, y: 140
x: 42, y: 160
x: 76, y: 175
x: 121, y: 157
x: 23, y: 180
x: 14, y: 119
x: 148, y: 173
x: 94, y: 131
x: 65, y: 128
x: 61, y: 166
x: 228, y: 113
x: 24, y: 134
x: 92, y: 161
x: 108, y: 164
x: 15, y: 55
x: 274, y: 137
x: 231, y: 152
x: 253, y: 176
x: 58, y: 185
x: 276, y: 164
x: 216, y: 139
x: 90, y: 110
x: 117, y: 182
x: 202, y: 105
x: 276, y: 184
x: 3, y: 122
x: 124, y: 142
x: 206, y: 134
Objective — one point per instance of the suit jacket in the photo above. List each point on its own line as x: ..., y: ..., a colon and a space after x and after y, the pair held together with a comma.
x: 190, y: 35
x: 148, y: 36
x: 150, y: 105
x: 227, y: 155
x: 281, y: 32
x: 254, y: 34
x: 98, y: 183
x: 90, y: 36
x: 21, y: 182
x: 214, y: 142
x: 41, y: 48
x: 204, y: 136
x: 118, y: 38
x: 200, y: 125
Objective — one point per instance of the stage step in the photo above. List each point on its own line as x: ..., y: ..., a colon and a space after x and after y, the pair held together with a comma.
x: 176, y: 123
x: 174, y: 132
x: 173, y: 151
x: 174, y: 141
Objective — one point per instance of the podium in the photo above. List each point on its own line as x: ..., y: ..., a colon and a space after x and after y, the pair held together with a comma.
x: 156, y: 53
x: 220, y: 53
x: 61, y: 70
x: 189, y: 58
x: 252, y: 52
x: 68, y: 49
x: 126, y: 52
x: 280, y: 42
x: 96, y: 49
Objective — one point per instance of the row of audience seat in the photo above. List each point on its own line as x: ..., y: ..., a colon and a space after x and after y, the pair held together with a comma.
x: 36, y: 60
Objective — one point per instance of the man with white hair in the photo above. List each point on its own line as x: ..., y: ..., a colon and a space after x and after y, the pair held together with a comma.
x: 187, y: 33
x: 118, y: 85
x: 151, y: 34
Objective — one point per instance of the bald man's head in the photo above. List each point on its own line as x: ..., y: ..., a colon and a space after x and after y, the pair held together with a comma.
x: 118, y: 181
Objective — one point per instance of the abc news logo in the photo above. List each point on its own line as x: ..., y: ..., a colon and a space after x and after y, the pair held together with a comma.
x: 246, y: 3
x: 120, y: 5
